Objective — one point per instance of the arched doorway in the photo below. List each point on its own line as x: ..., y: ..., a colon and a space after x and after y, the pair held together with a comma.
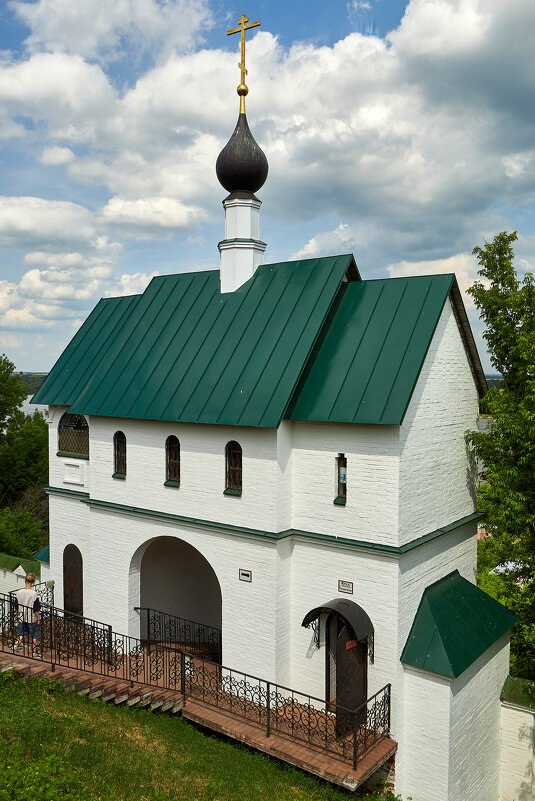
x: 73, y: 580
x: 348, y: 637
x: 180, y: 597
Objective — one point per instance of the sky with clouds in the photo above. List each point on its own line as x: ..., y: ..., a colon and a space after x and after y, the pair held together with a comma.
x: 403, y: 132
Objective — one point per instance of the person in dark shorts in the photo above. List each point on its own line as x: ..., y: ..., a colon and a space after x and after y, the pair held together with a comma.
x: 27, y: 608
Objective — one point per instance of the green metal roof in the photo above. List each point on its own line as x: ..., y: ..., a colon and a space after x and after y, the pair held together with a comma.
x: 8, y: 562
x: 304, y: 340
x: 184, y: 351
x: 455, y: 624
x: 372, y: 353
x: 43, y: 555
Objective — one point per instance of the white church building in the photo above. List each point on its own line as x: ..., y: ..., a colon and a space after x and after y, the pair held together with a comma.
x: 277, y: 451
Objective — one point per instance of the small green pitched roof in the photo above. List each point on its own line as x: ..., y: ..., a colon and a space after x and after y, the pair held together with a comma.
x: 455, y: 624
x: 303, y: 340
x: 43, y: 555
x: 8, y: 562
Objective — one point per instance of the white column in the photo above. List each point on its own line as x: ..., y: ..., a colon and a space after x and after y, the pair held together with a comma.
x: 241, y: 250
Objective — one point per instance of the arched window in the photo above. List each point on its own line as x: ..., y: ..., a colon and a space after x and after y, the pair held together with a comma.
x: 119, y: 455
x: 233, y: 468
x: 73, y: 436
x: 172, y: 462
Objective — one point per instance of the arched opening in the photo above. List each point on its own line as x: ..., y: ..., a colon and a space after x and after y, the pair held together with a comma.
x: 180, y: 598
x: 73, y: 436
x: 73, y: 580
x: 348, y: 644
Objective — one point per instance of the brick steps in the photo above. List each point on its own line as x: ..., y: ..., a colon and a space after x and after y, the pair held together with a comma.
x: 109, y: 690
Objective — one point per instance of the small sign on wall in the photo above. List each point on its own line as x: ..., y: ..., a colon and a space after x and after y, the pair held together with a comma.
x: 345, y: 586
x: 245, y: 575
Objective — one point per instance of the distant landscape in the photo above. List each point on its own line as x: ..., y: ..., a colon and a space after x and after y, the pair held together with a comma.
x: 32, y: 381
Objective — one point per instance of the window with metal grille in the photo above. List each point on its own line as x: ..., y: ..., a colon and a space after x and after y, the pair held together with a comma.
x: 233, y: 468
x: 73, y: 436
x: 341, y: 479
x: 172, y: 461
x: 119, y: 455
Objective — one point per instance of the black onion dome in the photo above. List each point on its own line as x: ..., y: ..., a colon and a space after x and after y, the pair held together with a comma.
x: 242, y: 164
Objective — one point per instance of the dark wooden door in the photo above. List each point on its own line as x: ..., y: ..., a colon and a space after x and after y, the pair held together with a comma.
x: 350, y: 682
x: 73, y: 581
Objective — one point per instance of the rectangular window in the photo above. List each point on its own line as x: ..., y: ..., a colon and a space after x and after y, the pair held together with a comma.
x: 341, y: 480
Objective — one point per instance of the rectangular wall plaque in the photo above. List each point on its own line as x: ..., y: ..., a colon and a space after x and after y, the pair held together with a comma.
x: 245, y: 575
x: 345, y: 586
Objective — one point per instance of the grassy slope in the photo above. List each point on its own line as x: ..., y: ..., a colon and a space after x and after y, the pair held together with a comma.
x: 57, y: 746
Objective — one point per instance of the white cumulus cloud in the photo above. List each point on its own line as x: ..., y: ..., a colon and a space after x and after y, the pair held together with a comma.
x: 145, y: 217
x: 52, y: 156
x: 100, y: 28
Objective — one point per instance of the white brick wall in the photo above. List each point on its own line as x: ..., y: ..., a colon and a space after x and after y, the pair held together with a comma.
x: 450, y: 750
x: 517, y: 753
x: 474, y: 763
x: 435, y: 483
x: 371, y: 511
x: 202, y: 470
x: 69, y: 523
x: 422, y: 756
x: 12, y: 579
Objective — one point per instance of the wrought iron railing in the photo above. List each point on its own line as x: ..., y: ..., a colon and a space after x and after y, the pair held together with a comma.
x: 44, y: 590
x: 195, y: 638
x: 78, y: 642
x: 347, y: 733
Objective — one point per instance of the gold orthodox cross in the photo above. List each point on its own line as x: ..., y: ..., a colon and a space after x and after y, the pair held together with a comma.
x: 242, y: 88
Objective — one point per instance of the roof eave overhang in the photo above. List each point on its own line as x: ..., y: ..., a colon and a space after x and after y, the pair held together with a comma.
x: 353, y: 615
x: 468, y: 339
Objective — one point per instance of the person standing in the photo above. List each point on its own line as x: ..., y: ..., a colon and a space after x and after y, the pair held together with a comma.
x: 27, y: 608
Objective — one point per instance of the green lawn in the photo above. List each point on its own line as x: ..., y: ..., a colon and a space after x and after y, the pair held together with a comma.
x: 57, y: 746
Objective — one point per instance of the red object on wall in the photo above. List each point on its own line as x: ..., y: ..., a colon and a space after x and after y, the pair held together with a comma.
x: 351, y: 644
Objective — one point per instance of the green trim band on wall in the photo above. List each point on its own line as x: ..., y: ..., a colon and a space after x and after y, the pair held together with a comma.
x: 394, y: 550
x: 62, y: 491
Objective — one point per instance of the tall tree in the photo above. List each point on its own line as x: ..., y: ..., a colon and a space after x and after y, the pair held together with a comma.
x: 507, y: 447
x: 23, y: 457
x: 12, y: 391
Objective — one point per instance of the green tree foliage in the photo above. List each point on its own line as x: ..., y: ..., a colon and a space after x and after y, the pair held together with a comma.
x: 507, y: 447
x: 23, y: 457
x: 23, y: 469
x: 20, y: 535
x: 12, y: 391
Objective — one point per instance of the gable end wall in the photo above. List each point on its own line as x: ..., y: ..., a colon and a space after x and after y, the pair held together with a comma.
x: 436, y: 482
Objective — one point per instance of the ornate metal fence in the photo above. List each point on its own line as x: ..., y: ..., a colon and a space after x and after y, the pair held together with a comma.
x: 78, y: 642
x: 293, y: 714
x: 44, y: 590
x: 195, y: 638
